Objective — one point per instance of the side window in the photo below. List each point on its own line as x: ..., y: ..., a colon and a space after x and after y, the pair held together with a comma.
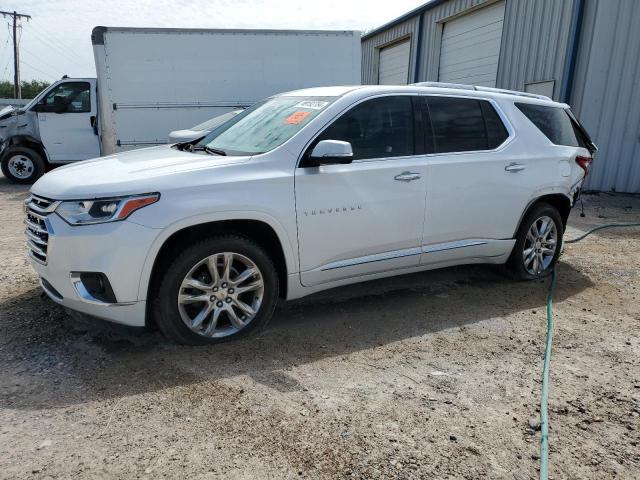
x: 458, y: 124
x: 69, y: 97
x: 377, y: 128
x: 554, y: 122
x: 496, y: 131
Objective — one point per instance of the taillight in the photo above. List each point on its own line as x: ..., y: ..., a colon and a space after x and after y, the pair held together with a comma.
x: 585, y: 164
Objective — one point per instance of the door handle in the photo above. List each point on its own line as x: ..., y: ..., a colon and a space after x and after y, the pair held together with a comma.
x: 94, y: 124
x: 514, y: 167
x: 407, y: 176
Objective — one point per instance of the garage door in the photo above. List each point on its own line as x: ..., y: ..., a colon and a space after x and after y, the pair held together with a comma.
x: 470, y: 47
x: 394, y: 64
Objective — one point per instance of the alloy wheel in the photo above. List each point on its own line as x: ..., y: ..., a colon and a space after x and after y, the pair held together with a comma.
x: 221, y: 295
x: 540, y: 245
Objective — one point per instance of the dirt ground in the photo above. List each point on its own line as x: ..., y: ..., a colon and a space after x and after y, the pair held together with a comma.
x: 431, y: 375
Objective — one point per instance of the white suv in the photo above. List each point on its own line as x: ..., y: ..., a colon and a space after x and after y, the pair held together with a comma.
x: 306, y: 191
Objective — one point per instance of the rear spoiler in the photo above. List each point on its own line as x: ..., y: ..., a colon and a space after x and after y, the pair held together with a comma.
x: 592, y: 147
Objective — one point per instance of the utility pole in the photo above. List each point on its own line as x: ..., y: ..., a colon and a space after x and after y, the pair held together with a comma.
x: 16, y: 53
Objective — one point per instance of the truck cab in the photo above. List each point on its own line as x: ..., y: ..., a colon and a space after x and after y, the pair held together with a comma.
x: 58, y: 126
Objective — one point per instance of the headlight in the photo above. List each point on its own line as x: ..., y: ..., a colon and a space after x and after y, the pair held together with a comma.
x: 103, y: 210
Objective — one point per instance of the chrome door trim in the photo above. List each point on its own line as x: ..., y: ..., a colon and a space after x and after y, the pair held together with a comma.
x: 376, y: 257
x: 407, y: 252
x: 439, y: 247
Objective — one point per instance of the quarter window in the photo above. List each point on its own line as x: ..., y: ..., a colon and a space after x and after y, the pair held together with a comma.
x: 377, y: 128
x: 554, y: 122
x: 465, y: 124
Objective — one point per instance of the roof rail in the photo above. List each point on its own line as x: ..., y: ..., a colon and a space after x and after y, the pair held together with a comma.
x: 460, y: 86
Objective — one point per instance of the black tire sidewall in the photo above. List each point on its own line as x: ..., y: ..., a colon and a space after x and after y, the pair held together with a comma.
x: 35, y: 157
x: 165, y: 305
x: 516, y: 262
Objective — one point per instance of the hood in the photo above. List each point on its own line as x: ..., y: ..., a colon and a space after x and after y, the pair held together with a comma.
x: 137, y: 171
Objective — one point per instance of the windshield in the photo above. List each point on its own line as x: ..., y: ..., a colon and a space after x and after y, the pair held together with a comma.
x: 265, y: 125
x: 215, y: 121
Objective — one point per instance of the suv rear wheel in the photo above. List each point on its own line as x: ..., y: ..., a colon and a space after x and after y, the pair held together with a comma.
x: 22, y: 165
x: 216, y: 290
x: 538, y: 243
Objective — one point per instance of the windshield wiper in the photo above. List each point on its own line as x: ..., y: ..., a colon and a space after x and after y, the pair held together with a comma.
x: 210, y: 150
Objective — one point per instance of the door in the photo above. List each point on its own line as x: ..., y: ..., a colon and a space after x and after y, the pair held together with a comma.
x: 475, y: 195
x: 365, y: 217
x: 394, y: 64
x: 470, y: 47
x: 67, y: 121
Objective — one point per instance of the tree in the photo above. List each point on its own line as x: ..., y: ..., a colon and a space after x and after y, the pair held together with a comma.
x: 29, y: 89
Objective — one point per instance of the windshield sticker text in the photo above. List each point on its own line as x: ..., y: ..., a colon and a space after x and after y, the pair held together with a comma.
x: 312, y: 104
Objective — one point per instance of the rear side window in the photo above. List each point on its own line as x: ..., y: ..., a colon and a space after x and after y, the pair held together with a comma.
x: 377, y: 128
x: 554, y: 122
x: 465, y: 125
x: 496, y: 131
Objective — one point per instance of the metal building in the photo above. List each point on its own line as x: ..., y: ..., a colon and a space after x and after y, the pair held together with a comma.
x: 582, y: 52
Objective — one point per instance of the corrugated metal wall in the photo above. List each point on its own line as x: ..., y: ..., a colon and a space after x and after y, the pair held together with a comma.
x: 606, y: 91
x: 535, y: 43
x: 371, y: 49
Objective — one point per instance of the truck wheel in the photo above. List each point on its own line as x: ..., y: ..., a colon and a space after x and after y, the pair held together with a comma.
x: 538, y: 243
x: 217, y: 290
x: 22, y: 165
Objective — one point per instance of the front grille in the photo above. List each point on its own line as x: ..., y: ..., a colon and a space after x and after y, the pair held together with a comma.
x: 36, y: 211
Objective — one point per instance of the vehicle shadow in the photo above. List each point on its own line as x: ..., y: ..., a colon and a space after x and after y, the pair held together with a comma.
x: 51, y: 361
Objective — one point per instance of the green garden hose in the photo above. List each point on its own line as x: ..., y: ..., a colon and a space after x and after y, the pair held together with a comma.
x: 544, y: 401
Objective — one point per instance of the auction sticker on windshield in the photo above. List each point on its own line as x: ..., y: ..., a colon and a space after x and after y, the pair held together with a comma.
x: 296, y: 117
x: 312, y: 104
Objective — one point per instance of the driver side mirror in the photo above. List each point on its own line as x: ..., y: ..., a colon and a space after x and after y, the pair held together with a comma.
x: 331, y: 152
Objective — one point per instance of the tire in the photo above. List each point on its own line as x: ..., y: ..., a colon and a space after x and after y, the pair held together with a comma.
x: 535, y: 268
x: 188, y: 321
x: 22, y: 165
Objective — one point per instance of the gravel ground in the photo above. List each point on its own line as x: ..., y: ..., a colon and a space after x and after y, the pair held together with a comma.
x: 430, y: 375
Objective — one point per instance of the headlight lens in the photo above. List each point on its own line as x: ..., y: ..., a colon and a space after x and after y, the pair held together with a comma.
x: 84, y: 212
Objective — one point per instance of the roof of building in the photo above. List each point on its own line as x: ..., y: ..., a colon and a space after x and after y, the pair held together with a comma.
x: 412, y: 13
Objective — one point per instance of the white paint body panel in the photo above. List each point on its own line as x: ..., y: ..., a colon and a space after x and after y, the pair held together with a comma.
x: 70, y: 136
x: 463, y: 209
x: 470, y: 47
x: 394, y: 64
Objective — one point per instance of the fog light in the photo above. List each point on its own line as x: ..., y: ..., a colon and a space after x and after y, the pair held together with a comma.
x: 97, y: 285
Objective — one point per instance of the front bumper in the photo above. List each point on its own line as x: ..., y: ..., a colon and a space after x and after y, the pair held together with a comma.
x: 117, y: 249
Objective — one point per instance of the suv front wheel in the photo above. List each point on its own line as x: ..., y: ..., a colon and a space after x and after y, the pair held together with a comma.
x: 219, y: 289
x: 538, y: 243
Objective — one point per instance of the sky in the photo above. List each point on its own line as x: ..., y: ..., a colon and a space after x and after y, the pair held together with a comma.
x: 57, y: 39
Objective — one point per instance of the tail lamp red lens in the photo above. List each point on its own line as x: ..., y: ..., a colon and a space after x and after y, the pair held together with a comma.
x: 585, y: 164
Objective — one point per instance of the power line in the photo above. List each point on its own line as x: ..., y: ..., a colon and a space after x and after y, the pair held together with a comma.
x: 67, y: 47
x: 49, y: 42
x: 39, y: 60
x: 16, y: 52
x: 49, y: 75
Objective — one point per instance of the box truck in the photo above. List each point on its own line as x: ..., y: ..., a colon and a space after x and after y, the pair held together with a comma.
x: 151, y: 81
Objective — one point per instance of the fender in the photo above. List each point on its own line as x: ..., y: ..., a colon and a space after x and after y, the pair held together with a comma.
x: 290, y: 252
x: 26, y: 141
x: 537, y: 195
